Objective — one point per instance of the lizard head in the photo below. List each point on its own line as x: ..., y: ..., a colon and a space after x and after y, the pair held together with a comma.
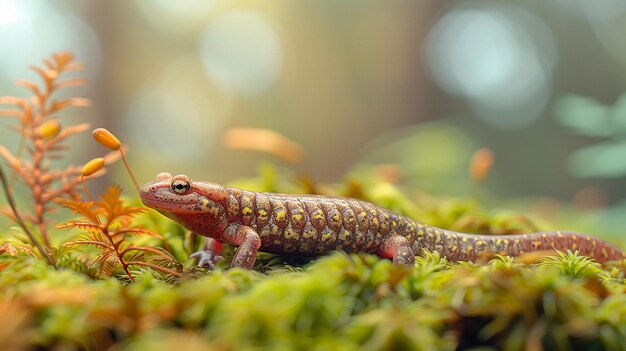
x: 178, y: 197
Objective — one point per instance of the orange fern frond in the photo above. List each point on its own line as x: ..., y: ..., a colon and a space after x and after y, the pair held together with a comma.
x: 81, y: 225
x: 86, y: 209
x: 136, y: 232
x: 112, y: 236
x: 113, y: 207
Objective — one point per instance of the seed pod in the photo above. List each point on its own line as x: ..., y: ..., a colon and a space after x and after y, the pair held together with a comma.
x: 106, y: 138
x: 93, y: 166
x: 49, y: 129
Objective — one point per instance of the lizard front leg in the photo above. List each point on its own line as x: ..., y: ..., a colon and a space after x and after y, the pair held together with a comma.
x: 209, y: 255
x: 398, y: 249
x: 248, y: 241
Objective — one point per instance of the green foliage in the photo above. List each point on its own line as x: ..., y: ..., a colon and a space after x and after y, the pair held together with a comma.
x: 351, y: 302
x: 588, y: 117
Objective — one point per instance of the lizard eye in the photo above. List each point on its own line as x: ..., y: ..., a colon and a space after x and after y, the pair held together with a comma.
x: 180, y: 186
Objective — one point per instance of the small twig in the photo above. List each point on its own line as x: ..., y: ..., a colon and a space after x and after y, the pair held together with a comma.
x: 132, y: 176
x: 18, y: 218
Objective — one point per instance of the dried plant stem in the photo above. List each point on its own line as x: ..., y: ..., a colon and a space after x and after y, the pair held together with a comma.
x: 82, y: 180
x: 18, y: 218
x: 39, y: 190
x: 132, y: 176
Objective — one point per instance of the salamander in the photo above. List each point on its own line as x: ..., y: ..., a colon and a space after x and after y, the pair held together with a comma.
x: 313, y: 225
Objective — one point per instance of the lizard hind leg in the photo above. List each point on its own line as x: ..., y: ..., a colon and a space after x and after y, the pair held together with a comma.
x: 398, y: 249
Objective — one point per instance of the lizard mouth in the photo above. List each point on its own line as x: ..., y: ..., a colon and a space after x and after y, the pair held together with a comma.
x: 165, y: 202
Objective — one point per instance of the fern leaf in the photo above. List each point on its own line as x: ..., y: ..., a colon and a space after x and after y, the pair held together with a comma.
x: 82, y: 225
x: 84, y: 208
x: 137, y: 232
x: 152, y: 250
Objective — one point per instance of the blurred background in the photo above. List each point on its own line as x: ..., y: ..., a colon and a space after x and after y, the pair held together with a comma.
x: 418, y: 84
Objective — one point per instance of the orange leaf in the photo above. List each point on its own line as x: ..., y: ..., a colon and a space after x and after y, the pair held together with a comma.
x: 63, y: 58
x: 11, y: 100
x: 84, y: 208
x: 29, y: 85
x: 71, y: 102
x: 70, y: 83
x: 265, y: 140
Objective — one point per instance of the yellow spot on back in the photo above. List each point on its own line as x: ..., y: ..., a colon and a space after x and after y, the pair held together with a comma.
x: 280, y: 215
x: 464, y: 239
x: 290, y: 234
x: 246, y: 210
x: 297, y: 217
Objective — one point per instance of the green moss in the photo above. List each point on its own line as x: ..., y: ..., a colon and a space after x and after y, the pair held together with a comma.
x: 339, y: 301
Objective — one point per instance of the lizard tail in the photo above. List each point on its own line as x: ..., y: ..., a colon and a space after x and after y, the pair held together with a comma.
x: 471, y: 247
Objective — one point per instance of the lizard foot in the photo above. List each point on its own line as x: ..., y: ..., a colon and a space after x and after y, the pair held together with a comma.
x: 209, y: 255
x: 206, y: 258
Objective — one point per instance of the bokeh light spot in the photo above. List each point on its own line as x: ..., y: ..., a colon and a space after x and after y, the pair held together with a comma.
x: 176, y: 16
x: 607, y: 18
x: 173, y: 118
x: 490, y: 56
x: 31, y: 30
x: 241, y: 52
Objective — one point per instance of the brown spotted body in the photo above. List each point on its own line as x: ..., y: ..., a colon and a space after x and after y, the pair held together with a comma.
x: 311, y: 225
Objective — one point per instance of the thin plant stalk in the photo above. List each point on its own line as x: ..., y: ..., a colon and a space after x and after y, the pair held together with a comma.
x: 18, y: 218
x: 132, y: 176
